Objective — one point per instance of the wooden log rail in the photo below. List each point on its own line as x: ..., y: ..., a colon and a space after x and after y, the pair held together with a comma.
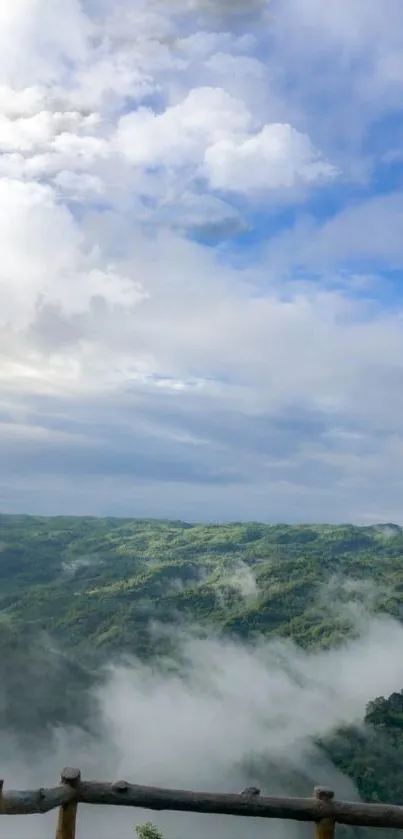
x: 322, y: 808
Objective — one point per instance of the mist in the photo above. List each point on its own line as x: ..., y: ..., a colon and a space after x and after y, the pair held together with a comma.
x: 240, y: 579
x: 223, y: 715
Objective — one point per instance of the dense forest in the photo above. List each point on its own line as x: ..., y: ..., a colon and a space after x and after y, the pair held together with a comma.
x: 92, y: 587
x: 96, y: 583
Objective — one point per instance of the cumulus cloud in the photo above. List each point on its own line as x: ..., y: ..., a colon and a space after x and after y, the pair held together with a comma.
x: 33, y: 45
x: 213, y: 132
x: 278, y: 156
x: 38, y: 234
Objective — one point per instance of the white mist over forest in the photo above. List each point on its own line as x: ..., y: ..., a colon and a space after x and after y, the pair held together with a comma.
x: 230, y: 716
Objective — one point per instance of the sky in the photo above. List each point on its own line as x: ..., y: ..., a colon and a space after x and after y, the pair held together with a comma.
x: 201, y: 215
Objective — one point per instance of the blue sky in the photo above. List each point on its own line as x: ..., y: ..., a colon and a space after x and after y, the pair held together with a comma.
x: 201, y: 237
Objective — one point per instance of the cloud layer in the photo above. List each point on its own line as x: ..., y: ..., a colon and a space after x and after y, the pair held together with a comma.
x: 199, y: 726
x: 200, y: 229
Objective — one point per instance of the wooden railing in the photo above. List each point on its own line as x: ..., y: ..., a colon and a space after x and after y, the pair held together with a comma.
x: 322, y: 809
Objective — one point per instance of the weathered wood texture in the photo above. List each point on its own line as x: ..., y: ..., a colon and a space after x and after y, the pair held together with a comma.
x: 66, y: 823
x: 297, y: 809
x: 21, y: 802
x: 321, y: 808
x: 325, y: 827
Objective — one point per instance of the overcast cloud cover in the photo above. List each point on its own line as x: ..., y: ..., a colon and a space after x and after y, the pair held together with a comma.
x: 201, y: 215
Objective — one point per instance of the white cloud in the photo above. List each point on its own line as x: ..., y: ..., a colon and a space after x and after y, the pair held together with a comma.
x: 23, y: 102
x: 227, y: 704
x: 276, y: 157
x: 214, y: 133
x: 37, y: 38
x: 45, y: 259
x: 225, y: 64
x: 26, y: 134
x: 126, y: 134
x: 181, y: 133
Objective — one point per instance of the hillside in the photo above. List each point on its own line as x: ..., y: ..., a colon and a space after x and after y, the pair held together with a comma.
x: 96, y: 584
x: 373, y: 755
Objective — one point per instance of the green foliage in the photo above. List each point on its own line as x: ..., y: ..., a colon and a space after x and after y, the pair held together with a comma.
x: 148, y: 830
x: 372, y: 755
x: 98, y: 586
x: 386, y: 713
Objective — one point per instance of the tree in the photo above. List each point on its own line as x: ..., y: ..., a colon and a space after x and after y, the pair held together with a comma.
x: 148, y: 830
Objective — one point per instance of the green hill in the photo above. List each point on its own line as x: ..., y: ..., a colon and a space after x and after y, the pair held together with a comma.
x: 96, y: 584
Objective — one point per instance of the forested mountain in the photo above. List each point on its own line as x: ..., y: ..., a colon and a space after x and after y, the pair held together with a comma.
x: 91, y: 587
x: 95, y: 584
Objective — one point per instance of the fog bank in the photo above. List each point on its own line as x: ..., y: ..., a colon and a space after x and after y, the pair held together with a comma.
x: 199, y: 727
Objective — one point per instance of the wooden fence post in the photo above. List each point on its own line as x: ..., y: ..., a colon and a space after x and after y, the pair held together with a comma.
x: 324, y: 828
x: 66, y: 823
